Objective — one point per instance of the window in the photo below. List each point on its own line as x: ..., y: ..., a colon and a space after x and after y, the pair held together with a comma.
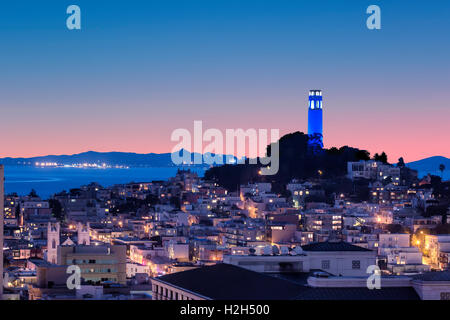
x: 325, y: 264
x: 356, y: 264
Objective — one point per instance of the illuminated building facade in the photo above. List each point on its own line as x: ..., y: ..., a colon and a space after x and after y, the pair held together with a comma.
x: 98, y: 264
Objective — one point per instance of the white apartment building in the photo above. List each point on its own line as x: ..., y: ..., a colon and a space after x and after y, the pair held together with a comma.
x: 335, y: 258
x: 437, y: 248
x: 374, y: 170
x: 136, y: 268
x: 255, y: 188
x: 392, y: 240
x: 178, y: 251
x: 405, y: 260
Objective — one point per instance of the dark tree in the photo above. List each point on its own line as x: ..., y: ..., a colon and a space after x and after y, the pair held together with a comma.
x: 18, y: 211
x: 175, y: 201
x: 380, y: 157
x: 75, y: 192
x: 396, y: 228
x: 383, y: 157
x: 363, y: 155
x: 33, y: 194
x: 56, y: 207
x: 151, y: 199
x: 297, y: 160
x: 442, y: 169
x: 438, y: 210
x: 315, y: 198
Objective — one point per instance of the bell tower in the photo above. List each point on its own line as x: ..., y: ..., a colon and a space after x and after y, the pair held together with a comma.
x: 53, y: 239
x: 83, y: 234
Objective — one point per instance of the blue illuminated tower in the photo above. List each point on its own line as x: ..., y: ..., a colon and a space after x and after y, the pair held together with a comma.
x: 315, y: 117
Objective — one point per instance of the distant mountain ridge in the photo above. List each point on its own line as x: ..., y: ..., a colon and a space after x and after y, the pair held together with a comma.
x: 110, y: 158
x: 430, y: 165
x: 131, y: 159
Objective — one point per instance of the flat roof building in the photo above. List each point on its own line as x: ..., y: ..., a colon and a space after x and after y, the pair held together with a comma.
x: 99, y: 264
x: 228, y: 282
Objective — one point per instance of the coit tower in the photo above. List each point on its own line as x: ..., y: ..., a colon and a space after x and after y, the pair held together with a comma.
x: 315, y: 115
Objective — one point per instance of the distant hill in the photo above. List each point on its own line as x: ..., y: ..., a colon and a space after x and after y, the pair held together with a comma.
x: 431, y: 165
x: 109, y: 158
x: 298, y: 159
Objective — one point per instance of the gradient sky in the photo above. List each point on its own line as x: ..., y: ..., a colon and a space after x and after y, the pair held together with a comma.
x: 140, y: 69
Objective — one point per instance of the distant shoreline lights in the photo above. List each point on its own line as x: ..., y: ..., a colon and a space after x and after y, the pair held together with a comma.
x: 79, y: 165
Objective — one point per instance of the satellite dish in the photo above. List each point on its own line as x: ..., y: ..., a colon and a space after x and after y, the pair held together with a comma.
x: 284, y: 250
x: 298, y: 250
x: 275, y: 250
x: 252, y: 251
x: 267, y: 251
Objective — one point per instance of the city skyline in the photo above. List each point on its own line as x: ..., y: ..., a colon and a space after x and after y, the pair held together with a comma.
x: 133, y: 74
x: 224, y: 155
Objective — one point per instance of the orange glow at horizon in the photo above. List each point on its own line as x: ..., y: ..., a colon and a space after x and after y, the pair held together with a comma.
x: 398, y: 132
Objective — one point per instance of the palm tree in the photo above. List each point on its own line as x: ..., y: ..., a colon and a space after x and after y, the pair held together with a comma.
x: 442, y: 169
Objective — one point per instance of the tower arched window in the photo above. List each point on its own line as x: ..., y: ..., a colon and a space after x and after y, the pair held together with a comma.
x: 53, y: 244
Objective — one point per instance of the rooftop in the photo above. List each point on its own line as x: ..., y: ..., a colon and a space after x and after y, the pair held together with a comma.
x: 333, y: 246
x: 228, y: 282
x: 433, y: 276
x: 401, y: 293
